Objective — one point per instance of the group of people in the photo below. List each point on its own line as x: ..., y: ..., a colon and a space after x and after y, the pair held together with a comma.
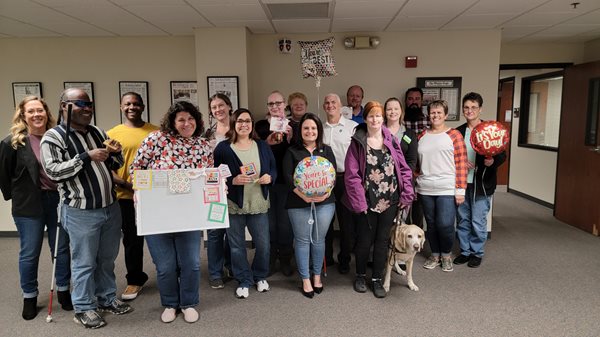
x: 389, y: 161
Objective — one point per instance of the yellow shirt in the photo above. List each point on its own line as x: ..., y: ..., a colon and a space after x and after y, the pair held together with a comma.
x: 130, y: 139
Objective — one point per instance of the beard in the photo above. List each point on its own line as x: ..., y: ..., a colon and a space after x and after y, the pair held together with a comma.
x: 413, y: 113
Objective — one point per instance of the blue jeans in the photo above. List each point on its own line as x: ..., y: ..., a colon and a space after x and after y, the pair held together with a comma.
x: 177, y: 260
x: 472, y: 223
x: 440, y: 214
x: 309, y: 239
x: 218, y: 253
x: 95, y: 236
x: 31, y: 234
x: 280, y: 229
x: 258, y: 227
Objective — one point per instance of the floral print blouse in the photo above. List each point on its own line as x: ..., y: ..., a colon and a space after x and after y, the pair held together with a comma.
x: 381, y: 183
x: 163, y: 151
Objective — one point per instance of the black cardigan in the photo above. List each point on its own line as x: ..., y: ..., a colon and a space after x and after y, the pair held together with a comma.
x: 484, y: 185
x: 293, y: 156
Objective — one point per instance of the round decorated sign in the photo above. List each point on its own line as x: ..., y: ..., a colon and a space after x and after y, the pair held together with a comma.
x: 489, y: 138
x: 314, y: 176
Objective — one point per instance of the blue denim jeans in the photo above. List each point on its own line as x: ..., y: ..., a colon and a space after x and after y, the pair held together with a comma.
x: 472, y: 223
x: 177, y: 260
x: 440, y: 214
x: 309, y: 239
x: 95, y: 236
x: 218, y: 253
x: 258, y: 227
x: 31, y: 235
x: 280, y: 229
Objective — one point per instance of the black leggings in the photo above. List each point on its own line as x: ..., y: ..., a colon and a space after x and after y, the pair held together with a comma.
x: 373, y: 229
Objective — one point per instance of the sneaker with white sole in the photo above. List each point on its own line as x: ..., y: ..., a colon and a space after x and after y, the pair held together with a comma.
x: 432, y: 262
x: 241, y: 292
x: 447, y: 264
x: 117, y: 307
x: 262, y: 286
x: 89, y: 319
x: 131, y: 292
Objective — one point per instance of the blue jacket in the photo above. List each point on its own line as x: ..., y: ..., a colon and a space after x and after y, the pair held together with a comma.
x: 224, y: 154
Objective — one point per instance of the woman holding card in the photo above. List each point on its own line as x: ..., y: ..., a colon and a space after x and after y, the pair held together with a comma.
x: 253, y: 170
x: 177, y: 145
x: 310, y: 223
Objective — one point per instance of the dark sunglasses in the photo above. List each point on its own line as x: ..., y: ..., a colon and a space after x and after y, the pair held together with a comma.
x: 81, y: 104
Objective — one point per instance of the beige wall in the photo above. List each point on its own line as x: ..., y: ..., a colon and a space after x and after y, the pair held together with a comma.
x: 542, y: 53
x: 592, y: 51
x: 104, y: 61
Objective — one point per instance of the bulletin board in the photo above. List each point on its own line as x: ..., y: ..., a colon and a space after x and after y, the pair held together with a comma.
x: 164, y: 205
x: 446, y: 88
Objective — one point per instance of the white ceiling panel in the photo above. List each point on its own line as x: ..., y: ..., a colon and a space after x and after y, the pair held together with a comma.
x: 256, y: 27
x: 367, y: 9
x: 19, y: 29
x: 147, y: 2
x: 435, y: 7
x: 38, y: 14
x: 402, y: 23
x: 535, y: 18
x: 568, y: 30
x: 215, y: 13
x: 68, y: 3
x: 359, y: 25
x: 589, y: 18
x: 503, y: 6
x: 481, y: 21
x: 565, y: 6
x: 135, y: 29
x: 99, y: 14
x: 292, y: 1
x: 178, y: 13
x: 520, y: 31
x: 308, y: 26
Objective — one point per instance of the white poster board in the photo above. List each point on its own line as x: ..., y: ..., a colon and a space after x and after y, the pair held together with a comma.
x: 159, y: 210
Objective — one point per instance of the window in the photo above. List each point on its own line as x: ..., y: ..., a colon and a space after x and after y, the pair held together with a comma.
x: 593, y: 115
x: 541, y: 98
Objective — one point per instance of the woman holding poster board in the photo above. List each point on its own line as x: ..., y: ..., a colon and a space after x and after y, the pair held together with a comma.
x: 378, y: 182
x: 177, y: 145
x: 310, y: 214
x: 253, y: 170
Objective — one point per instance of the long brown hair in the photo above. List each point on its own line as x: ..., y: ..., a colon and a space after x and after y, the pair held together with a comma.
x: 19, y: 128
x: 232, y: 134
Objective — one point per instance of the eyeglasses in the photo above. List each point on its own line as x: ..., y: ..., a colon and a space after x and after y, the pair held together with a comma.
x: 276, y: 103
x: 81, y: 104
x: 244, y: 121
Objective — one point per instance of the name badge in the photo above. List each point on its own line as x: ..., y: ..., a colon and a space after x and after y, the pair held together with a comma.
x: 406, y: 139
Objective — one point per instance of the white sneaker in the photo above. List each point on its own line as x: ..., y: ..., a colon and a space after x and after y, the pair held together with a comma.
x: 241, y: 292
x: 190, y: 315
x: 262, y: 286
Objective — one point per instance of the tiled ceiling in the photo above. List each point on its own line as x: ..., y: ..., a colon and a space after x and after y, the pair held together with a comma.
x: 521, y: 21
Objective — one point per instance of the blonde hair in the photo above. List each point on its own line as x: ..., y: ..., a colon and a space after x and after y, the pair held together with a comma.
x: 19, y: 128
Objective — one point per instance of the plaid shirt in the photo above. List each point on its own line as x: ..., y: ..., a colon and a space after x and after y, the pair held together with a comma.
x: 460, y: 159
x: 419, y: 125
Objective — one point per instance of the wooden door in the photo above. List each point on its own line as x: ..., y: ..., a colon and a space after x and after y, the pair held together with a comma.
x: 504, y: 115
x: 578, y: 170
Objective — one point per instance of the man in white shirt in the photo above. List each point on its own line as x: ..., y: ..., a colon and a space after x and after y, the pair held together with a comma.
x: 337, y: 133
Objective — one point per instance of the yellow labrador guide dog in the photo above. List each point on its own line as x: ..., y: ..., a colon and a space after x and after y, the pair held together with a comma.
x: 405, y: 242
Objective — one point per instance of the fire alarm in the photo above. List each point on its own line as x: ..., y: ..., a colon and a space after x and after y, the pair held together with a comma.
x: 410, y: 62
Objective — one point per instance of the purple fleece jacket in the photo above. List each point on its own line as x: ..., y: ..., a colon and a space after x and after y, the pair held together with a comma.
x: 356, y: 162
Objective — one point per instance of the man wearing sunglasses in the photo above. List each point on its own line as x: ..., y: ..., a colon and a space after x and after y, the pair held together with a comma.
x: 81, y: 165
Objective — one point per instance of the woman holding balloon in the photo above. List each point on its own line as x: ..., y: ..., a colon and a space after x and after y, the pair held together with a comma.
x: 378, y: 182
x: 309, y: 167
x: 481, y: 181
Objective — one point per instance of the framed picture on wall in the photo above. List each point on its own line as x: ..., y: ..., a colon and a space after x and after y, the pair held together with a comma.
x: 24, y: 89
x: 446, y: 88
x: 140, y: 88
x: 184, y: 91
x: 227, y: 85
x: 88, y: 87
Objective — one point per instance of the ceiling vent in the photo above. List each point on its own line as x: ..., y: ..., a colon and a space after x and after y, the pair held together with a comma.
x: 287, y: 11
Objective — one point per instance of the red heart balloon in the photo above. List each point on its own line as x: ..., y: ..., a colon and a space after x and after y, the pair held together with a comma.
x: 489, y: 138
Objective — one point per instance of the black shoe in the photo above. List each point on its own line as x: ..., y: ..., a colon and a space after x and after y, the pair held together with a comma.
x: 360, y: 284
x: 378, y: 290
x: 461, y: 259
x: 29, y: 308
x: 117, y: 307
x: 474, y: 261
x: 89, y: 319
x: 344, y: 268
x: 318, y: 290
x: 64, y: 298
x: 309, y: 294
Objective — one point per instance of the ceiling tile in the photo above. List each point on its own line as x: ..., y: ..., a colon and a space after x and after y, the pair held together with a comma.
x: 240, y: 12
x: 402, y: 23
x: 255, y: 26
x: 359, y: 25
x: 504, y: 6
x: 536, y: 18
x: 435, y: 7
x: 589, y: 18
x: 367, y: 9
x: 19, y: 29
x: 478, y: 21
x: 302, y: 26
x: 175, y: 13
